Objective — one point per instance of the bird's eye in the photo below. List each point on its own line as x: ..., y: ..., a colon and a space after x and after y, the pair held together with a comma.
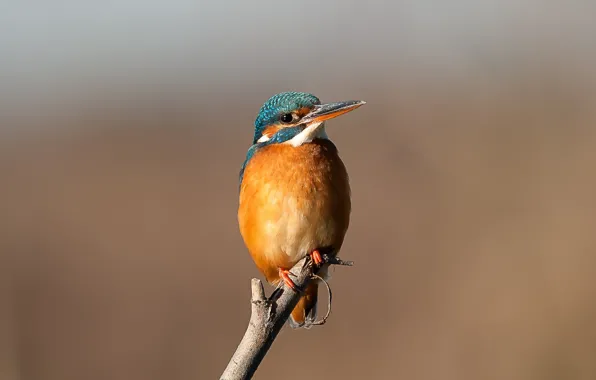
x: 288, y: 117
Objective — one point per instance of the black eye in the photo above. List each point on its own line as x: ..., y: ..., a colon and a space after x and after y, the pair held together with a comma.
x: 287, y: 117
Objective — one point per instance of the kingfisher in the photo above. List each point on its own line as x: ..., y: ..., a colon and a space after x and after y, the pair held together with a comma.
x: 294, y: 192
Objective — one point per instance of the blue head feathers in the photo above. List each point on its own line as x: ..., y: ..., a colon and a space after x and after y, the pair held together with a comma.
x: 287, y: 114
x: 271, y: 113
x: 279, y: 105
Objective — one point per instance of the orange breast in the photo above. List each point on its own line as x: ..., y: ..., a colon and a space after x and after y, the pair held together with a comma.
x: 293, y: 200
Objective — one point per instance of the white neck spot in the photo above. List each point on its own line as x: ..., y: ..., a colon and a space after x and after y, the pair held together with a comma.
x: 263, y: 139
x: 311, y: 132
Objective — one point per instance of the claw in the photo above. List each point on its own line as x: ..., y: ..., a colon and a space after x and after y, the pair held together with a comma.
x: 316, y: 257
x: 285, y: 276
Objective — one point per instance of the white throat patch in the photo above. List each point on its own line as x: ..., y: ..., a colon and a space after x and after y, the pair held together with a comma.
x: 311, y: 132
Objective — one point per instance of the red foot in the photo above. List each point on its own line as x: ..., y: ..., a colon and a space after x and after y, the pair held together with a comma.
x: 316, y: 257
x: 285, y: 276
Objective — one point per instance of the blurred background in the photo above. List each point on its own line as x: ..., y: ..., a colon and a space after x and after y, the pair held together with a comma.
x: 123, y: 125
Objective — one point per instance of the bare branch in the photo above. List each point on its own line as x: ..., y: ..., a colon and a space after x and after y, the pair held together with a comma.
x: 268, y: 317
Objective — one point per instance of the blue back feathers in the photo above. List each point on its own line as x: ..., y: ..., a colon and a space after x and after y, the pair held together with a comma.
x: 249, y: 154
x: 280, y: 104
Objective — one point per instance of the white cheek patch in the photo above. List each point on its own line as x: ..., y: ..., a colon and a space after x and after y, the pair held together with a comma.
x: 263, y: 139
x: 311, y: 132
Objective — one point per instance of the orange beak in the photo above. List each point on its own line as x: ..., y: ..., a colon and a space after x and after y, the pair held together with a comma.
x: 330, y: 110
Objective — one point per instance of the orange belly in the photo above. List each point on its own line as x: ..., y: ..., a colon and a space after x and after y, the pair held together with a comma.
x: 293, y: 200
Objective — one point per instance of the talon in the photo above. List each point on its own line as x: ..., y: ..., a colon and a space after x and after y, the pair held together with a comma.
x: 316, y: 257
x: 285, y: 276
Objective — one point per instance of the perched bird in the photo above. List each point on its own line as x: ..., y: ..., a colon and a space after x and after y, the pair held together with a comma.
x: 294, y: 191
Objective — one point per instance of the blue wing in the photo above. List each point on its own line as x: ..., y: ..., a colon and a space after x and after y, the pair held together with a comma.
x: 249, y: 154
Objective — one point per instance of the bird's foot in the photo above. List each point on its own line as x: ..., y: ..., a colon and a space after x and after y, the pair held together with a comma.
x: 316, y: 257
x: 284, y: 274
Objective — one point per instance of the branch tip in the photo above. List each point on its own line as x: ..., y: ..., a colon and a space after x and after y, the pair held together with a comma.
x: 258, y: 292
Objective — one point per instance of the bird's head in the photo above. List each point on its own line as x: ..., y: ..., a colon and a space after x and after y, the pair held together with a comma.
x: 297, y: 118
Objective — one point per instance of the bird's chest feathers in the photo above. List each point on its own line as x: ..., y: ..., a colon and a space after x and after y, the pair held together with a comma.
x: 297, y: 197
x: 298, y: 181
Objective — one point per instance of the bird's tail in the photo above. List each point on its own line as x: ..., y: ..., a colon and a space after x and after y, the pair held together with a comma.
x: 305, y: 311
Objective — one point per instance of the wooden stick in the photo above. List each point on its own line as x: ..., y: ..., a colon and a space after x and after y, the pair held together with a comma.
x: 268, y: 317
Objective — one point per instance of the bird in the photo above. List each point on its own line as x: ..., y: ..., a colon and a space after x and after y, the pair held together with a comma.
x: 294, y: 192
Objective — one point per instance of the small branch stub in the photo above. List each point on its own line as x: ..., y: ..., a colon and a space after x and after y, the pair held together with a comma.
x: 258, y: 293
x: 268, y: 317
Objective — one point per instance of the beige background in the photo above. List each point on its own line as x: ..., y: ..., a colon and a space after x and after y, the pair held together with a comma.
x: 472, y: 168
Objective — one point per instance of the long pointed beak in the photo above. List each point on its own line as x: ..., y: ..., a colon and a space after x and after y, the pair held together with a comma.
x: 330, y: 110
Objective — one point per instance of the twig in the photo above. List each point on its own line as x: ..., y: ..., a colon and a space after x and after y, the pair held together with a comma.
x: 268, y: 317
